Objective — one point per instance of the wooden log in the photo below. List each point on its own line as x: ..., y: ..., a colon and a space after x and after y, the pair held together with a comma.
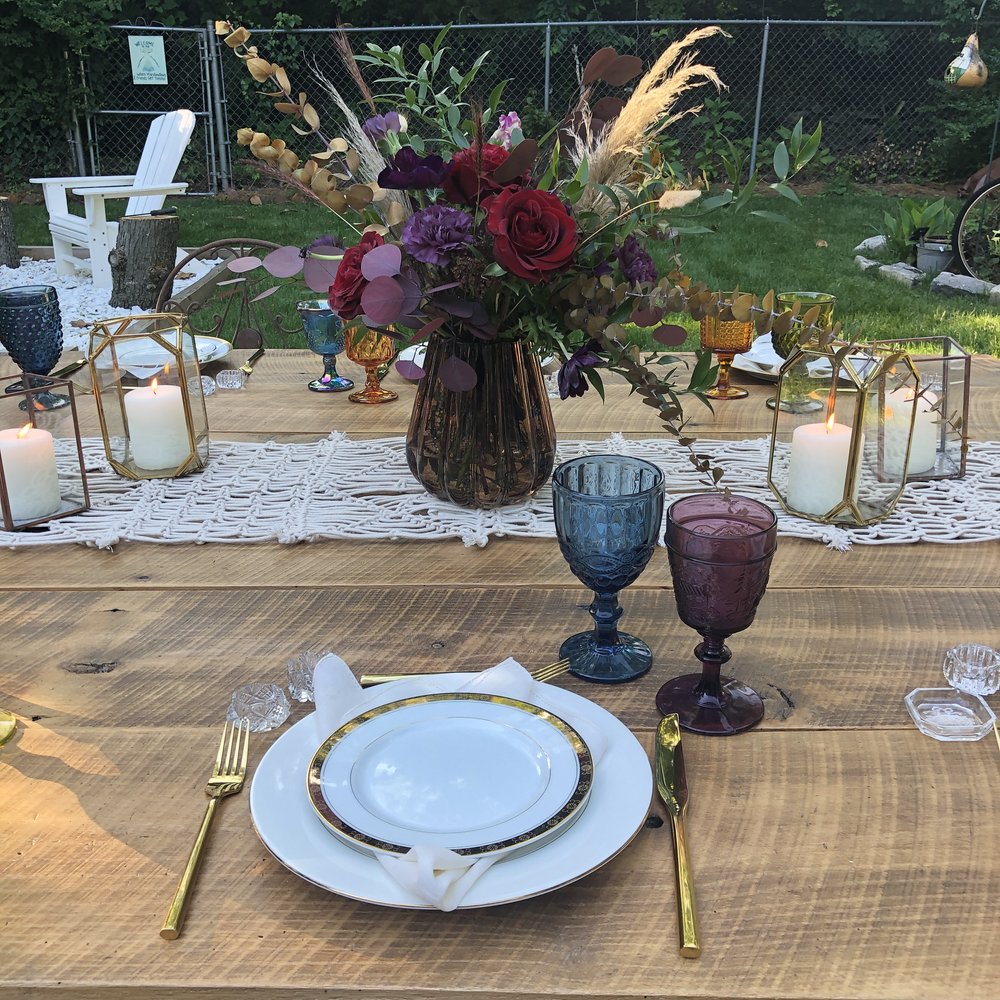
x: 9, y: 254
x: 143, y: 256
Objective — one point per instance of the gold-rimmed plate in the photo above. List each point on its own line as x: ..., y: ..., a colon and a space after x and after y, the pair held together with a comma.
x: 479, y: 774
x: 615, y: 812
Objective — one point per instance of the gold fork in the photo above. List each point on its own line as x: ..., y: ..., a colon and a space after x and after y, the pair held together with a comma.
x: 227, y: 778
x: 543, y: 674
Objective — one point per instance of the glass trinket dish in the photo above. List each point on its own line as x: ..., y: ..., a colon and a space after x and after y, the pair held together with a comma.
x: 949, y: 715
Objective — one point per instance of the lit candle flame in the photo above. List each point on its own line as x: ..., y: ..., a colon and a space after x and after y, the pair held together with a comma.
x: 166, y: 368
x: 23, y: 432
x: 829, y: 422
x: 153, y: 386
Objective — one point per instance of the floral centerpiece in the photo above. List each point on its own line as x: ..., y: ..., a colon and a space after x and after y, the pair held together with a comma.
x: 496, y: 247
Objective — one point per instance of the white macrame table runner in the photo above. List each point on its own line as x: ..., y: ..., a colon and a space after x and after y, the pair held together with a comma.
x: 346, y: 488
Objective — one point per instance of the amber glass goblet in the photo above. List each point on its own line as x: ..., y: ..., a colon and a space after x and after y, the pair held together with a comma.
x: 720, y: 550
x: 370, y: 348
x: 726, y: 338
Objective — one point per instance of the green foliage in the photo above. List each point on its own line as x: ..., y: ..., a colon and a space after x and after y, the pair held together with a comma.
x: 40, y: 78
x: 788, y: 158
x: 432, y: 97
x: 911, y: 221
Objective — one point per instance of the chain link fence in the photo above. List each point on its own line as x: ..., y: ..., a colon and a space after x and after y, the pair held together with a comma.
x: 115, y: 134
x: 871, y: 84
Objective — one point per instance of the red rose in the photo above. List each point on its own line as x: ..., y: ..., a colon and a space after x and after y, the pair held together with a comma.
x: 470, y: 176
x: 349, y: 283
x: 534, y: 234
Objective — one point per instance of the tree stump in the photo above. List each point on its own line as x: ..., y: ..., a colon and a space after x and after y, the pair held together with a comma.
x: 9, y: 254
x: 144, y: 254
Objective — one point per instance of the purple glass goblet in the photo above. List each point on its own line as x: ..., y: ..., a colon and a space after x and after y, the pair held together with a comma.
x: 720, y: 550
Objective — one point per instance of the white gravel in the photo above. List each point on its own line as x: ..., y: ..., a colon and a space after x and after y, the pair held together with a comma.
x: 79, y: 301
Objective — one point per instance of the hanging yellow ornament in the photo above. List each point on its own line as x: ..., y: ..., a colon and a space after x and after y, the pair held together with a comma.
x: 967, y: 69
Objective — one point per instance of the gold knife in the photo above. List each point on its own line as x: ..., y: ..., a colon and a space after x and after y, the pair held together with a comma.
x: 671, y: 783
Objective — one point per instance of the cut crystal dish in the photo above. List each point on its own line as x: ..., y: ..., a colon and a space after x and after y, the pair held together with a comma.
x: 947, y: 714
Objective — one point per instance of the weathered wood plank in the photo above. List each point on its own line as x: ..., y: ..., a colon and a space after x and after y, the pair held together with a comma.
x: 532, y: 562
x: 818, y: 870
x: 822, y: 659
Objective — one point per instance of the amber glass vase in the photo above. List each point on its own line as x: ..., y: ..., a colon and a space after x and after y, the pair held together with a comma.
x: 492, y: 445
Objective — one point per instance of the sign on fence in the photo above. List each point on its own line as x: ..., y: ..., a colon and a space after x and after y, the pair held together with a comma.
x: 149, y: 64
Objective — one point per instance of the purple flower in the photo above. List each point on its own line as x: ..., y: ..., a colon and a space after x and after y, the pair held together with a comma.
x: 379, y: 126
x: 604, y: 267
x: 408, y: 170
x: 571, y: 378
x: 507, y: 123
x: 433, y: 233
x: 636, y: 264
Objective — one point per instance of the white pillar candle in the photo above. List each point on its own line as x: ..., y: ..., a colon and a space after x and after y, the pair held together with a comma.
x: 157, y: 428
x: 29, y: 469
x: 923, y: 447
x: 817, y: 466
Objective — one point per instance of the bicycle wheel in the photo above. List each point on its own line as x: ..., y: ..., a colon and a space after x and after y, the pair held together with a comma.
x: 976, y: 237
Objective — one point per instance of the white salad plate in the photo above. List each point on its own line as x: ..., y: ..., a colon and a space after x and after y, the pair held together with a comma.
x: 479, y: 774
x: 145, y: 358
x: 615, y: 811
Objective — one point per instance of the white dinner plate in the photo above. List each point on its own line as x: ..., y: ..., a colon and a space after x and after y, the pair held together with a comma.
x: 417, y: 353
x: 479, y: 774
x: 763, y: 362
x: 145, y: 358
x: 615, y: 812
x: 414, y: 354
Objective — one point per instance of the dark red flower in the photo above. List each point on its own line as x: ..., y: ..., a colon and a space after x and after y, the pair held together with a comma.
x: 534, y: 234
x: 345, y: 292
x: 470, y: 175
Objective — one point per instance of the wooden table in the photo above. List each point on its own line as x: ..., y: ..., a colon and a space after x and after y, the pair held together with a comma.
x: 837, y: 852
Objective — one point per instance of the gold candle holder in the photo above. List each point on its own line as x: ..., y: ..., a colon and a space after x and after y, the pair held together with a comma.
x: 847, y: 463
x: 941, y: 432
x: 42, y: 471
x: 150, y: 403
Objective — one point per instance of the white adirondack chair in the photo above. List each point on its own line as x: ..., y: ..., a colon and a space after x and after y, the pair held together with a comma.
x: 146, y: 190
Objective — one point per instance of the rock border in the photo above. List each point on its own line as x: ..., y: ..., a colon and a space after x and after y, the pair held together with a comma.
x: 946, y: 283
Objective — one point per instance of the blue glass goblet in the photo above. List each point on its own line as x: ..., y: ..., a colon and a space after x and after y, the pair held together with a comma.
x: 608, y: 510
x: 324, y: 335
x: 31, y: 330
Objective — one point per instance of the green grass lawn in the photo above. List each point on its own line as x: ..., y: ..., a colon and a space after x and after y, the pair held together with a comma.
x: 745, y: 251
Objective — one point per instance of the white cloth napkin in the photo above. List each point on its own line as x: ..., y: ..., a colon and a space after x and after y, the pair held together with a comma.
x: 432, y: 873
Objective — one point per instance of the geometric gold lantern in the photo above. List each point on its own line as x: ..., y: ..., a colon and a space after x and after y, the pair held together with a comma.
x: 42, y: 471
x: 844, y: 458
x: 149, y: 396
x: 941, y: 434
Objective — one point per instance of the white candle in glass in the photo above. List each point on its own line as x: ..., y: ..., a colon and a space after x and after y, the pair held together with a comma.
x: 817, y: 466
x: 157, y: 428
x: 923, y: 447
x: 29, y: 469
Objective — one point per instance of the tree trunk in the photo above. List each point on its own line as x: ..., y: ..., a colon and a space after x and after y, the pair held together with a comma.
x: 144, y: 254
x: 9, y: 254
